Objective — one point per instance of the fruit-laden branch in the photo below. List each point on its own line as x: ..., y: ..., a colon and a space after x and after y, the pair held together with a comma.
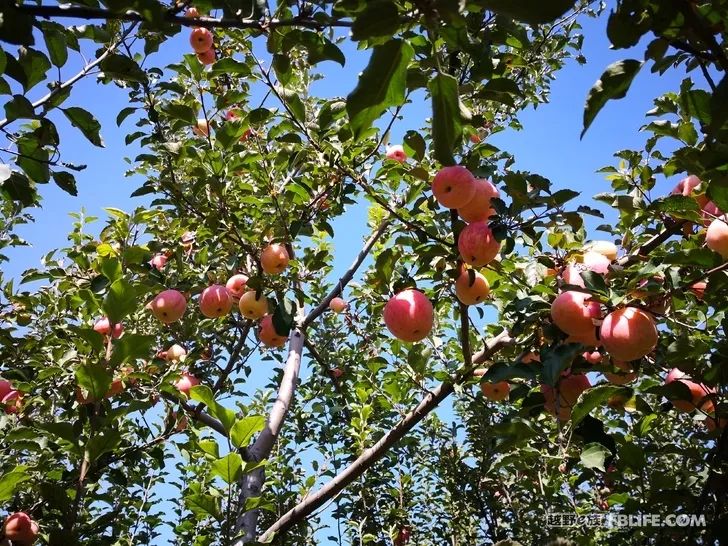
x: 81, y: 12
x: 252, y: 483
x: 86, y: 69
x: 348, y: 275
x: 370, y: 456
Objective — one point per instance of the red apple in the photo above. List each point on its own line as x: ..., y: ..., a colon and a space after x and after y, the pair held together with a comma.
x: 103, y: 327
x: 207, y: 57
x: 453, y: 186
x: 479, y: 209
x: 192, y: 13
x: 569, y: 387
x: 698, y: 392
x: 592, y: 357
x: 158, y: 261
x: 688, y: 186
x: 176, y: 353
x: 268, y: 335
x: 628, y: 333
x: 168, y: 306
x: 20, y: 529
x: 574, y: 312
x: 215, y: 301
x: 236, y: 285
x: 409, y: 315
x: 253, y: 305
x: 274, y: 259
x: 477, y: 245
x: 396, y: 153
x: 606, y: 248
x: 699, y: 289
x: 200, y: 39
x: 186, y: 382
x: 338, y: 305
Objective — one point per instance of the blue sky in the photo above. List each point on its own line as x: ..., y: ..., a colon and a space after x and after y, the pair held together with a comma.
x: 549, y: 144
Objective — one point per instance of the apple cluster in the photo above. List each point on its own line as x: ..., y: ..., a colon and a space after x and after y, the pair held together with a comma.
x: 201, y: 40
x: 409, y: 314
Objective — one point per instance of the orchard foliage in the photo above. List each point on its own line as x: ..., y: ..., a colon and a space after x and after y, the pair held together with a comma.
x: 193, y: 425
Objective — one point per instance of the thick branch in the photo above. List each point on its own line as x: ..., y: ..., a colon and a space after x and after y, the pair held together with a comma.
x: 370, y: 456
x: 86, y: 69
x: 346, y: 277
x: 82, y: 12
x: 252, y: 483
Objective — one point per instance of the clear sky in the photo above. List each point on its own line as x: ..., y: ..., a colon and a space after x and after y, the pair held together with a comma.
x: 549, y: 144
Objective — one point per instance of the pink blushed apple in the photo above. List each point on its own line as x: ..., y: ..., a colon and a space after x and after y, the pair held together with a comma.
x: 453, y: 186
x: 409, y: 315
x: 215, y: 301
x: 168, y: 306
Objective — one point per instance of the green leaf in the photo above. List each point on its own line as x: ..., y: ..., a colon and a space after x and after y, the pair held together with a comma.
x: 381, y: 85
x: 229, y: 467
x: 9, y: 482
x: 501, y: 371
x: 283, y: 317
x: 613, y: 84
x: 86, y: 123
x: 131, y: 347
x: 203, y: 393
x: 228, y: 65
x: 719, y: 106
x: 379, y: 18
x: 55, y: 42
x: 718, y: 192
x: 120, y: 300
x: 94, y: 379
x: 203, y: 505
x: 593, y: 456
x: 102, y: 442
x: 500, y: 90
x: 557, y: 360
x: 180, y: 111
x: 19, y: 108
x: 244, y: 429
x: 596, y: 397
x: 416, y: 144
x: 35, y: 65
x: 447, y: 128
x: 533, y: 12
x: 65, y: 181
x: 18, y: 187
x: 121, y: 67
x: 20, y: 31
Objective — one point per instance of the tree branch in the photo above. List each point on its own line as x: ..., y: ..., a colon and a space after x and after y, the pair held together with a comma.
x: 86, y: 69
x: 82, y: 12
x: 371, y: 455
x: 347, y: 276
x: 252, y: 482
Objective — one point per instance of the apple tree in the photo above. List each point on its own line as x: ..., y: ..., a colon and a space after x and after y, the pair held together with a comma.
x: 198, y: 371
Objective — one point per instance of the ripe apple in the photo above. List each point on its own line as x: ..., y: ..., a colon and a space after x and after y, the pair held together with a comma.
x: 628, y: 333
x: 168, y: 306
x: 453, y: 186
x: 158, y: 261
x: 338, y: 305
x: 606, y: 248
x: 336, y: 373
x: 186, y: 382
x: 569, y: 387
x: 12, y: 402
x: 477, y: 245
x: 192, y: 13
x: 236, y: 285
x: 201, y: 128
x: 716, y: 237
x: 268, y: 335
x: 699, y: 289
x: 206, y: 57
x: 591, y: 261
x: 624, y: 373
x: 409, y: 315
x: 711, y: 212
x: 253, y: 305
x: 592, y: 357
x: 688, y: 186
x: 574, y: 312
x: 495, y: 391
x: 698, y: 392
x: 471, y: 293
x: 530, y: 357
x: 200, y: 39
x: 176, y: 353
x: 116, y: 387
x: 5, y: 388
x: 479, y: 209
x: 403, y: 536
x: 103, y: 327
x: 20, y: 529
x: 274, y: 259
x: 396, y: 153
x: 215, y: 301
